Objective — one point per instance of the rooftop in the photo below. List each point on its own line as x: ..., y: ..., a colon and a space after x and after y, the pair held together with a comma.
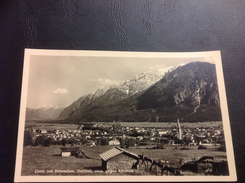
x: 115, y: 152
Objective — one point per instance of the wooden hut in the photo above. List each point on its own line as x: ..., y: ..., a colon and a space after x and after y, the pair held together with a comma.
x: 69, y: 151
x: 117, y: 159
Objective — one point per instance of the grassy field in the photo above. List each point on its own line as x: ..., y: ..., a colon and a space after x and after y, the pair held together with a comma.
x: 67, y: 126
x: 51, y: 125
x: 169, y: 124
x: 47, y: 158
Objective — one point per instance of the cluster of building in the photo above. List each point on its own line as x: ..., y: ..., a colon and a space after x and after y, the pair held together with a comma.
x: 100, y: 134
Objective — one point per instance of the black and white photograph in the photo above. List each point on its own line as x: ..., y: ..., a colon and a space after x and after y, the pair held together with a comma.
x: 123, y: 116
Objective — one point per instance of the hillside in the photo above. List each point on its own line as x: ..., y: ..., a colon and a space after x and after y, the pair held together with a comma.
x: 106, y: 95
x: 189, y: 92
x: 43, y: 113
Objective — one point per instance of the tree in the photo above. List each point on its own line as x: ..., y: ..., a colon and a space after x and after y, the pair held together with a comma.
x: 134, y: 133
x: 64, y: 142
x: 48, y: 142
x: 71, y: 141
x: 202, y: 147
x: 127, y: 143
x: 133, y: 142
x: 40, y: 140
x: 27, y: 138
x: 104, y: 141
x: 122, y: 143
x: 187, y: 141
x: 137, y: 142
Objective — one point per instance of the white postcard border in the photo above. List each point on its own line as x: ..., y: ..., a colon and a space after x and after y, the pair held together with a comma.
x: 223, y: 102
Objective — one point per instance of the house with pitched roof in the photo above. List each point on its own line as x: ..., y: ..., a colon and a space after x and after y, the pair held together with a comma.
x: 117, y: 159
x: 114, y: 142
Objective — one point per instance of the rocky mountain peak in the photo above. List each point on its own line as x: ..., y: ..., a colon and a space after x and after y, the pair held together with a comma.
x: 107, y: 94
x: 188, y: 92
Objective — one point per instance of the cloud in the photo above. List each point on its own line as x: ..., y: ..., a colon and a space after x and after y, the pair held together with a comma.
x: 181, y: 64
x: 105, y: 81
x: 160, y: 66
x: 160, y: 69
x: 163, y: 70
x: 60, y: 91
x: 156, y: 68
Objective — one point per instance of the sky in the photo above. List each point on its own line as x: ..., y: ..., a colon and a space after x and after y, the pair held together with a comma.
x: 60, y: 80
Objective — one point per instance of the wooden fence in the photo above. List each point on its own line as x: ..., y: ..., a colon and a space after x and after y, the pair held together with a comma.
x: 159, y: 167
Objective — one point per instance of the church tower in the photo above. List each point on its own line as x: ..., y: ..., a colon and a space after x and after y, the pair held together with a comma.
x: 178, y: 130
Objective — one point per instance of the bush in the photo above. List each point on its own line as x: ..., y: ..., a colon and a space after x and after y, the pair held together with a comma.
x: 40, y: 140
x: 143, y: 143
x: 104, y: 141
x: 48, y: 142
x: 71, y: 141
x: 159, y: 146
x: 222, y: 148
x: 64, y: 141
x: 58, y: 142
x: 201, y: 147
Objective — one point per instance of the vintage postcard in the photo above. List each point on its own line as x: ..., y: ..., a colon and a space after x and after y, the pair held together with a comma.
x: 89, y: 116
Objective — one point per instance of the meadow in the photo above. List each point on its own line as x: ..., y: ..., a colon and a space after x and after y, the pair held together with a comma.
x: 38, y: 158
x: 49, y: 125
x: 169, y: 124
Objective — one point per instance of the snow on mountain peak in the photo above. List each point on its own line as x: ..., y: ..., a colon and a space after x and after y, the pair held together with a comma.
x: 46, y: 107
x: 138, y: 83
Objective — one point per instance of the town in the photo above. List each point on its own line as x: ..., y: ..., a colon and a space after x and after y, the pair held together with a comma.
x: 95, y: 134
x: 173, y: 148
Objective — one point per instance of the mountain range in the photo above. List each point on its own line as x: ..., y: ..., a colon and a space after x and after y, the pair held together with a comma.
x: 43, y: 113
x: 107, y: 95
x: 188, y: 92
